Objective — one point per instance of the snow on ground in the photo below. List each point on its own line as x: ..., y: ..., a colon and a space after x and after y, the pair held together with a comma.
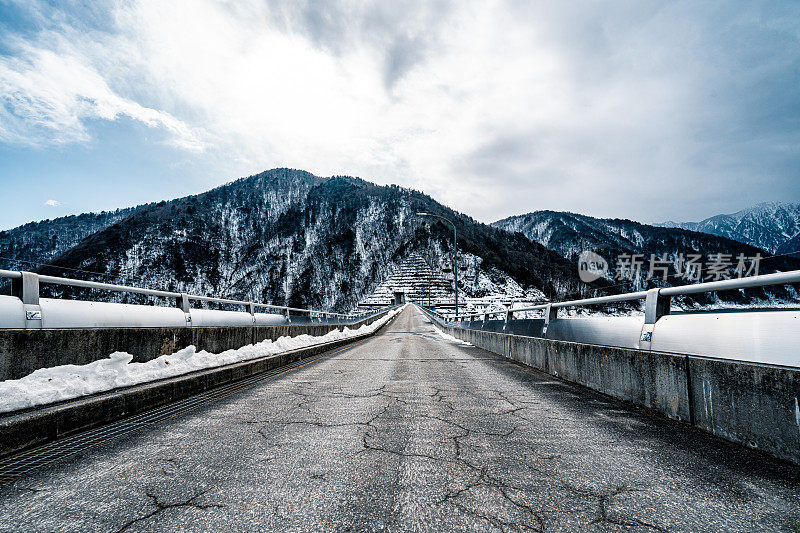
x: 55, y: 384
x: 450, y: 338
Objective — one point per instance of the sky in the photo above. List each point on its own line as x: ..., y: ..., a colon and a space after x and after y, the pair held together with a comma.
x: 635, y: 109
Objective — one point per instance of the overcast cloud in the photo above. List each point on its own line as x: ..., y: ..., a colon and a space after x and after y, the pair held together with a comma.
x: 643, y: 110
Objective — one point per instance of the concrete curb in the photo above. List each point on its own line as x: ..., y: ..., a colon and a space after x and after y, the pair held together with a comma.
x: 24, y: 429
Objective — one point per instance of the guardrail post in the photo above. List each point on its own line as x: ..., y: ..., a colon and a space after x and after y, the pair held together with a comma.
x: 183, y: 303
x: 550, y: 313
x: 509, y: 315
x: 251, y: 308
x: 656, y: 305
x: 26, y: 289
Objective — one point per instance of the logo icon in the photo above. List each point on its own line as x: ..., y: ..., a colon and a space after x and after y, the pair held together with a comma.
x: 591, y: 267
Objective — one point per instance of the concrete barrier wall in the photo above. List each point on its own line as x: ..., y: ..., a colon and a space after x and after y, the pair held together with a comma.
x: 757, y: 405
x: 23, y: 351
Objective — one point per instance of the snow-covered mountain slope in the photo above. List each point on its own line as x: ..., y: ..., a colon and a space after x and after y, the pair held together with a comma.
x: 791, y: 247
x: 768, y: 225
x: 288, y: 237
x: 569, y: 234
x: 28, y: 246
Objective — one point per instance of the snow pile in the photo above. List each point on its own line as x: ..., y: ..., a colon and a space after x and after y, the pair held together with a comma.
x: 450, y: 338
x: 48, y: 385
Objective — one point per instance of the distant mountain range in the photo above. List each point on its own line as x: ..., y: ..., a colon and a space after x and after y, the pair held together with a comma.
x: 773, y: 226
x: 617, y: 240
x: 286, y: 237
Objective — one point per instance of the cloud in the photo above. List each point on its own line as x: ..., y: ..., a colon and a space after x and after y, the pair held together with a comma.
x: 48, y: 94
x: 640, y: 110
x: 52, y: 203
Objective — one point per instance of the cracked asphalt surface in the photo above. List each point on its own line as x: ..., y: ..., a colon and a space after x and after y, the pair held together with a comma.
x: 410, y: 432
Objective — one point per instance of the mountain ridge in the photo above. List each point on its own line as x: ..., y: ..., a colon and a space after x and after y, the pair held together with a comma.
x: 286, y: 236
x: 618, y: 240
x: 767, y: 225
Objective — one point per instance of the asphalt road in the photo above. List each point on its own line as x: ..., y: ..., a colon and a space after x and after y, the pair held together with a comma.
x: 410, y: 432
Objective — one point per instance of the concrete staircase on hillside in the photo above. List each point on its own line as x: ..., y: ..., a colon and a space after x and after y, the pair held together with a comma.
x: 415, y: 280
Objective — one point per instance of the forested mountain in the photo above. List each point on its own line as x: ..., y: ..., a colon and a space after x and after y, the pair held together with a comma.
x: 288, y: 237
x: 33, y: 244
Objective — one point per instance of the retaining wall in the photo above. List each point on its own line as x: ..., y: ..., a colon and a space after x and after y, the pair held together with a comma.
x: 757, y: 405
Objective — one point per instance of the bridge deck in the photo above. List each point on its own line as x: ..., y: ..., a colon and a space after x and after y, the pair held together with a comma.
x: 409, y: 431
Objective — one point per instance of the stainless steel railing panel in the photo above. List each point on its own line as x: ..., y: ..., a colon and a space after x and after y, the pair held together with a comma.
x: 621, y: 331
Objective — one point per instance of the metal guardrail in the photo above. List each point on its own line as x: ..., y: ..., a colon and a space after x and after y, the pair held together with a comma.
x: 753, y: 335
x: 25, y: 286
x: 657, y: 300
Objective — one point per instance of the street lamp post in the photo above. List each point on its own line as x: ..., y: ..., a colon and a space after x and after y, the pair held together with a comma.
x: 455, y: 253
